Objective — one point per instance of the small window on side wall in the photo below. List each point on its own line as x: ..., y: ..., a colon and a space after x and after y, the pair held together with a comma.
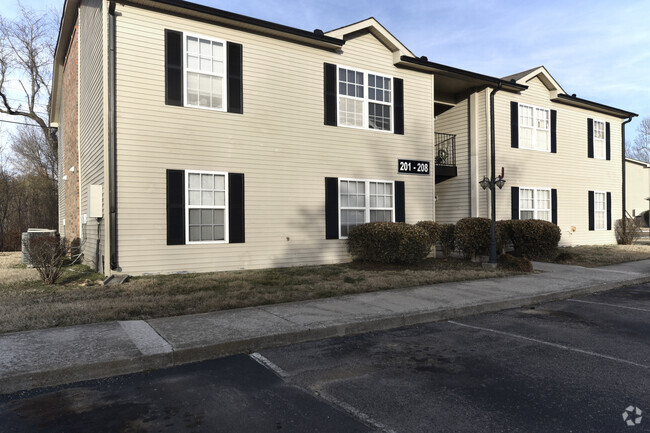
x: 207, y: 195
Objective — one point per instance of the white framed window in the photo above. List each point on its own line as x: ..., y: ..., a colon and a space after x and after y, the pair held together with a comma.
x: 600, y: 210
x: 363, y: 201
x: 206, y: 196
x: 204, y: 72
x: 365, y: 99
x: 535, y: 203
x: 599, y: 139
x: 534, y: 128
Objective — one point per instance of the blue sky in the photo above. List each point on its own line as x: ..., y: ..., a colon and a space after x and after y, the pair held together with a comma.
x: 598, y: 49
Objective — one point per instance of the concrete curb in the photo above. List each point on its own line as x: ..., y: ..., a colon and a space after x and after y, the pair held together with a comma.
x: 126, y: 365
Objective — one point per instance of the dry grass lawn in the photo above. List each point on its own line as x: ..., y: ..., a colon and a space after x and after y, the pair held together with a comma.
x: 12, y: 271
x: 601, y: 255
x: 30, y: 305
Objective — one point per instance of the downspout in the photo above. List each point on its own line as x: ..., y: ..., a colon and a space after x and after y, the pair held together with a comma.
x: 112, y: 155
x: 629, y: 119
x: 493, y: 243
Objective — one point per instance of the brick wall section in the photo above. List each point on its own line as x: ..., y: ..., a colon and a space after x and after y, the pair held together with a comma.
x: 71, y: 138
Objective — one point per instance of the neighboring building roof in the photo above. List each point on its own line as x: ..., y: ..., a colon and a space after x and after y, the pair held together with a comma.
x: 375, y: 28
x: 636, y: 161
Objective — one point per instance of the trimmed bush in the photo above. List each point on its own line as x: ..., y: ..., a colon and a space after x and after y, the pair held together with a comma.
x: 432, y: 228
x: 535, y: 239
x: 385, y: 242
x: 509, y: 262
x: 473, y: 236
x: 627, y: 230
x: 447, y: 239
x: 503, y: 231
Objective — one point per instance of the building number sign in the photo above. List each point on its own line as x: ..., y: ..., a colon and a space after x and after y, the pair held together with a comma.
x: 410, y: 166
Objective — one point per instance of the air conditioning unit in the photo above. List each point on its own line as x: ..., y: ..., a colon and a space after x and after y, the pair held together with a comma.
x: 28, y: 236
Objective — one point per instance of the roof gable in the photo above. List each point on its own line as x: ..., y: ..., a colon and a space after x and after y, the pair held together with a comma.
x: 372, y: 26
x: 540, y: 72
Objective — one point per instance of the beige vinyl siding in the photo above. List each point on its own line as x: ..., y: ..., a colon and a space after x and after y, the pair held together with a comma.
x: 91, y: 142
x: 280, y: 143
x: 454, y: 194
x: 569, y: 170
x: 61, y: 169
x: 637, y: 187
x: 484, y: 167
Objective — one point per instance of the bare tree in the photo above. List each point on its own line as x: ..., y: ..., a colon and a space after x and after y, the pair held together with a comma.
x: 27, y: 47
x: 32, y: 153
x: 640, y: 149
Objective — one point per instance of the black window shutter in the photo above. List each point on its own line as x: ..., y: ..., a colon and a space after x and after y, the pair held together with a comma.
x: 608, y: 153
x: 592, y: 224
x: 554, y: 206
x: 514, y: 124
x: 399, y: 105
x: 236, y: 216
x: 235, y: 84
x: 553, y: 131
x: 173, y: 68
x: 590, y: 138
x: 514, y: 202
x: 331, y: 208
x: 330, y: 95
x: 400, y: 210
x: 175, y: 207
x: 609, y: 211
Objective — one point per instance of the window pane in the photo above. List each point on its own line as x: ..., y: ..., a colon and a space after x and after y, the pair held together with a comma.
x: 207, y: 199
x: 192, y: 45
x: 195, y: 233
x: 219, y: 182
x: 526, y: 215
x: 543, y: 140
x: 544, y: 215
x: 219, y: 198
x: 217, y: 51
x: 380, y: 216
x: 218, y: 216
x: 217, y: 67
x: 192, y: 97
x: 205, y: 48
x: 192, y: 62
x: 219, y: 233
x: 217, y: 92
x: 206, y: 216
x: 195, y: 197
x: 195, y: 217
x: 206, y: 64
x: 195, y: 181
x: 206, y: 233
x: 207, y: 181
x: 525, y: 138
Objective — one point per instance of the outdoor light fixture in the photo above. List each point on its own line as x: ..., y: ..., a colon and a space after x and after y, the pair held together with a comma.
x: 485, y: 183
x: 500, y: 182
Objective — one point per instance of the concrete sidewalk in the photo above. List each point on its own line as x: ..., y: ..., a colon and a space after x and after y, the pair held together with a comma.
x: 62, y: 355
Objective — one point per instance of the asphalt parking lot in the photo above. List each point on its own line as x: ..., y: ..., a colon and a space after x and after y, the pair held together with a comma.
x: 568, y: 366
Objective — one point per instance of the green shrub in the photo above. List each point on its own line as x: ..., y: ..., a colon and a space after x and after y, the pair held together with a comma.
x: 385, y: 242
x: 627, y: 230
x: 503, y: 230
x: 473, y: 236
x: 447, y: 239
x: 509, y: 262
x: 535, y: 239
x: 432, y: 228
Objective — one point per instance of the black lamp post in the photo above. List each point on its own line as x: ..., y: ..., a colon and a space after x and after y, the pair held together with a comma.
x: 492, y: 184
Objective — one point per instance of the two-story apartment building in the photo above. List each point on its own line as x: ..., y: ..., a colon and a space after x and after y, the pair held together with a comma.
x: 195, y: 139
x: 637, y: 186
x: 562, y: 157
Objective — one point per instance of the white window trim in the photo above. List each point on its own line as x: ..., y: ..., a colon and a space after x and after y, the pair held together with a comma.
x: 367, y: 209
x: 604, y: 145
x: 604, y: 211
x: 534, y: 127
x: 224, y: 207
x: 366, y: 100
x: 224, y: 84
x: 535, y: 209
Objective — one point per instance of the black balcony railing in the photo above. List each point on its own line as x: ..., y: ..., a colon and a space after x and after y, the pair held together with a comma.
x: 445, y: 149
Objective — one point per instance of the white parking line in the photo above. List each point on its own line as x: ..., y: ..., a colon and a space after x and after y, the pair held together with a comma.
x: 333, y: 400
x: 609, y: 305
x: 548, y: 343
